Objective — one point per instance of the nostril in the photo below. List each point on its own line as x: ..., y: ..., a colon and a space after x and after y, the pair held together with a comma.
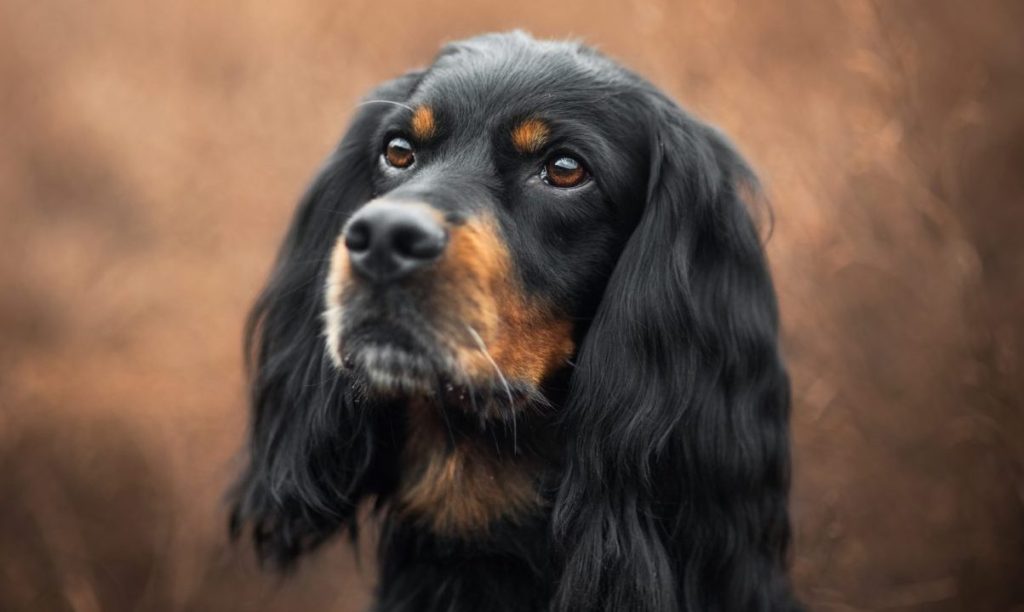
x: 358, y: 236
x: 418, y: 241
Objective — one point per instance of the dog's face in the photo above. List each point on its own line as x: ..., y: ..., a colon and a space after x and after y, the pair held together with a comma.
x: 502, y: 194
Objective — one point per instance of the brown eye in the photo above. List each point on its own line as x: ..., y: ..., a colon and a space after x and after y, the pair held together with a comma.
x: 564, y: 171
x: 399, y: 153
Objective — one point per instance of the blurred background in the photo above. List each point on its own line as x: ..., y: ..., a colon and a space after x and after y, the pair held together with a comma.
x: 151, y: 155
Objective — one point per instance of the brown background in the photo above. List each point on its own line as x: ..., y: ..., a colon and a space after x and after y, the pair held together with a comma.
x: 151, y: 154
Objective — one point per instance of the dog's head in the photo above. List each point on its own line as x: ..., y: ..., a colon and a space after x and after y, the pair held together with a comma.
x: 527, y: 228
x: 502, y: 186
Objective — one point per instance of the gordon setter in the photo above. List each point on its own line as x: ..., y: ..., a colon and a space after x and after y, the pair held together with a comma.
x: 525, y: 313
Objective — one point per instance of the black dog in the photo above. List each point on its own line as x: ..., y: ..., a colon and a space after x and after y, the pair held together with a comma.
x: 524, y: 310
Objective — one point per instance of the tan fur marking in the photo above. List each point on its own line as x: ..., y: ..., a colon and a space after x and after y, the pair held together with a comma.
x: 337, y: 278
x: 525, y: 337
x: 461, y: 490
x: 530, y: 135
x: 424, y: 126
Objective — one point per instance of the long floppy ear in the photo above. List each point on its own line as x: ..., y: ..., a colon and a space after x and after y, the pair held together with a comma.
x: 313, y: 449
x: 677, y: 467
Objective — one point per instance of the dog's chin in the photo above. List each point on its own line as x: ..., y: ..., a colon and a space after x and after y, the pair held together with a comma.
x: 389, y: 371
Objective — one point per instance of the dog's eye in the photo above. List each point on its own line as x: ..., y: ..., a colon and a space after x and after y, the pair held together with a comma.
x: 564, y: 171
x: 399, y: 153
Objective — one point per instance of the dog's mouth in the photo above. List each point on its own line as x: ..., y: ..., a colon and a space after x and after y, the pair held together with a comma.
x: 395, y: 359
x: 392, y: 361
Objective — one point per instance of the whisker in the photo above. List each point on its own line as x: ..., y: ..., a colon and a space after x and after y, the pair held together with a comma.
x: 508, y: 390
x: 405, y: 106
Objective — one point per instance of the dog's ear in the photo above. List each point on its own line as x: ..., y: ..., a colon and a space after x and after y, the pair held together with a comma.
x: 677, y: 467
x: 313, y: 449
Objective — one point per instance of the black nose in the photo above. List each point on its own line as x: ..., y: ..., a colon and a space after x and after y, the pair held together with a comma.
x: 387, y: 240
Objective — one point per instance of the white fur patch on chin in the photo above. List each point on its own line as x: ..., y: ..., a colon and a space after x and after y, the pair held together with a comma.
x: 392, y: 371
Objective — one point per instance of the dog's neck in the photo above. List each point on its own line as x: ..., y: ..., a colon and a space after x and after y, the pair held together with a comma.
x: 460, y: 476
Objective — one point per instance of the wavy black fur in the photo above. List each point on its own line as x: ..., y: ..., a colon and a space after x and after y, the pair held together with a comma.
x: 671, y: 489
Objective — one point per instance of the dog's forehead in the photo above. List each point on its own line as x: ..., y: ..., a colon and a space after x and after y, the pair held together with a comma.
x: 493, y: 77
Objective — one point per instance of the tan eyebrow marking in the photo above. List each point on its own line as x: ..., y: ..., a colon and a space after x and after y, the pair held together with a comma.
x: 424, y: 126
x: 530, y: 135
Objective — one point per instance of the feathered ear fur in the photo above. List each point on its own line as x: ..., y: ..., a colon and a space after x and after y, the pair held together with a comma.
x: 313, y: 449
x: 677, y: 468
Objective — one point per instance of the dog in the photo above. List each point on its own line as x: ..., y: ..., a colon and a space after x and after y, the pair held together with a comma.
x: 524, y: 312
